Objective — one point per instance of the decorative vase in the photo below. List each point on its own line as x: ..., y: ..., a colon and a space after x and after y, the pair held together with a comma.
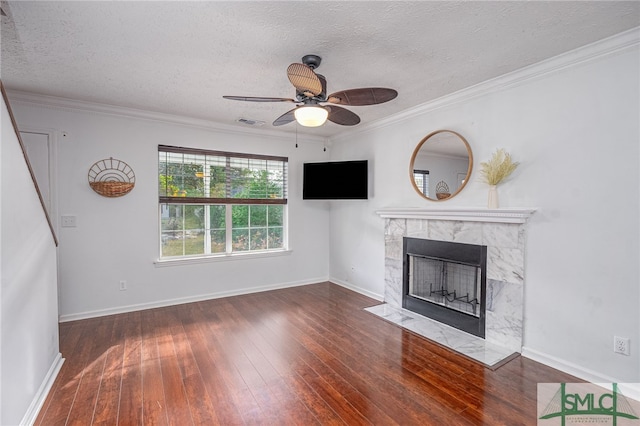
x: 492, y: 202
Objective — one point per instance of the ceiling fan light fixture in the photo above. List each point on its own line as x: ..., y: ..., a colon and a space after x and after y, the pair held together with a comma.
x: 311, y: 115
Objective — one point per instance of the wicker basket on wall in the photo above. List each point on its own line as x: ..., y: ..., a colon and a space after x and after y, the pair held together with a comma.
x: 442, y: 190
x: 111, y: 178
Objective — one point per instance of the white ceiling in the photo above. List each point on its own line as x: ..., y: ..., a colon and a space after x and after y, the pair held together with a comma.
x: 181, y: 57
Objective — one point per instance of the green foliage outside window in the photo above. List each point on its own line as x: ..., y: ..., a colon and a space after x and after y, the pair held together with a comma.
x: 181, y: 180
x: 257, y: 227
x: 196, y: 229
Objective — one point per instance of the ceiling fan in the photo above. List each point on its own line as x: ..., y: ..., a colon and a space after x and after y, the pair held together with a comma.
x: 311, y: 91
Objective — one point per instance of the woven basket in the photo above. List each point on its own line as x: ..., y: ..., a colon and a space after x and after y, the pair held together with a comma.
x: 442, y: 195
x: 112, y: 189
x: 111, y: 178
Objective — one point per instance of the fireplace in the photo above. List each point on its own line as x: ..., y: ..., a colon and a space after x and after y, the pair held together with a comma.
x: 446, y: 281
x: 502, y: 232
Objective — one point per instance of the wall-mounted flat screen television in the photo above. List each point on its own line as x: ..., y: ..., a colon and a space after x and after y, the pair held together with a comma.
x: 338, y: 180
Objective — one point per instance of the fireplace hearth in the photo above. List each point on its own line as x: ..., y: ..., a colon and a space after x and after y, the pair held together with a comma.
x: 446, y: 281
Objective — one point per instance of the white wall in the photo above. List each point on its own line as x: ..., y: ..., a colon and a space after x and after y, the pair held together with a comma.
x: 117, y: 238
x: 28, y: 295
x: 576, y: 133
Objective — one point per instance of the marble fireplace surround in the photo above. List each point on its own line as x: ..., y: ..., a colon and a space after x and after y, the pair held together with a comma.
x: 503, y: 231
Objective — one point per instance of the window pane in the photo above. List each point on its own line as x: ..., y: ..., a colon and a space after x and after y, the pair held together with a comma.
x: 182, y: 230
x: 218, y: 241
x: 240, y: 228
x: 172, y: 230
x: 240, y: 239
x: 240, y: 216
x: 254, y: 178
x: 218, y: 228
x: 258, y: 187
x: 217, y: 217
x: 258, y: 239
x: 193, y: 229
x: 172, y: 244
x: 162, y: 172
x: 220, y: 176
x: 169, y: 175
x: 192, y: 172
x: 275, y: 239
x: 258, y: 215
x: 194, y: 242
x: 275, y: 215
x: 193, y: 217
x: 422, y: 181
x: 218, y: 180
x: 181, y: 175
x: 171, y: 217
x: 174, y: 179
x: 276, y: 177
x: 257, y: 227
x: 239, y: 175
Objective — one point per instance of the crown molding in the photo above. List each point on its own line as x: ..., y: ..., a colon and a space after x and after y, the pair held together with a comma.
x: 608, y: 46
x: 54, y: 102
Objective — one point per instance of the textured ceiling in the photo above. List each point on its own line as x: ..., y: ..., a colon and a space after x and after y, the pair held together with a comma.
x: 182, y: 57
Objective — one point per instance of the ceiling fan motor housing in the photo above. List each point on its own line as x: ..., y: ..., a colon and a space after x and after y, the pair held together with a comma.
x: 312, y: 61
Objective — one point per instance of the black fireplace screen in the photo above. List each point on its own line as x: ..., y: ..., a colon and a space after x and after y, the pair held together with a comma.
x: 450, y: 284
x: 446, y: 281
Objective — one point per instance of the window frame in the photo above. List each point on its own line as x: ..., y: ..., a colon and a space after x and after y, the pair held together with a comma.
x: 425, y: 180
x: 229, y: 202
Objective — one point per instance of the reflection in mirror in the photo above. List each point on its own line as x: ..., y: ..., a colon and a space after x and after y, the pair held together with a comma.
x: 441, y: 165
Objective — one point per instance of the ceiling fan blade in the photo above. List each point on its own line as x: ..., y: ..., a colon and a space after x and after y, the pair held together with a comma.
x: 285, y: 118
x: 258, y: 99
x: 304, y: 79
x: 323, y: 83
x: 364, y: 96
x: 342, y: 116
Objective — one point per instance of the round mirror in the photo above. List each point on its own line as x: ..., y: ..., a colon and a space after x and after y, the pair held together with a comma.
x: 441, y: 165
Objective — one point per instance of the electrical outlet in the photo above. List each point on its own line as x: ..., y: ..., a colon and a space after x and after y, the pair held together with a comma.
x: 123, y: 285
x: 68, y: 221
x: 621, y: 345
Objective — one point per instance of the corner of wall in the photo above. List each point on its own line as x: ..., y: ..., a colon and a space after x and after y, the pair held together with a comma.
x: 44, y: 389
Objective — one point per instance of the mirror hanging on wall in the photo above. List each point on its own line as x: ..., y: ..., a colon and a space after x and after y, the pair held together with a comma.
x: 441, y: 165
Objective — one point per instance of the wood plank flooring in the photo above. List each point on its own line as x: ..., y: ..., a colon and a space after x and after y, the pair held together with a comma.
x: 301, y: 356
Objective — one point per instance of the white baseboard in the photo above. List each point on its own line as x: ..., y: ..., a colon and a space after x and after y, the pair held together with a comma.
x: 40, y: 396
x: 182, y: 300
x: 350, y: 286
x: 630, y: 390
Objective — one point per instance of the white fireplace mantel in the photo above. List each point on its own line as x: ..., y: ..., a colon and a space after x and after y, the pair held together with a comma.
x: 463, y: 214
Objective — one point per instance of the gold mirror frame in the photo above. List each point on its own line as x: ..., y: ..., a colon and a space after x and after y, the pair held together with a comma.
x: 417, y: 151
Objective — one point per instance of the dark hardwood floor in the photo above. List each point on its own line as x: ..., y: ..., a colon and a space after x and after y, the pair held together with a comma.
x: 304, y: 355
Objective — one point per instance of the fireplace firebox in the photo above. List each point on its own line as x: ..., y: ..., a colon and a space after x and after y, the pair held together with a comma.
x: 446, y: 281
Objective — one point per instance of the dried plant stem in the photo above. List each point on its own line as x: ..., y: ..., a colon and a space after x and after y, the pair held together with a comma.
x: 498, y: 168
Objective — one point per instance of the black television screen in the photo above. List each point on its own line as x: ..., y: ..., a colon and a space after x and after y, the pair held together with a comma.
x: 339, y: 180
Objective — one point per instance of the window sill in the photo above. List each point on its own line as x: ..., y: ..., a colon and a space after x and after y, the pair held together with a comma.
x: 161, y: 263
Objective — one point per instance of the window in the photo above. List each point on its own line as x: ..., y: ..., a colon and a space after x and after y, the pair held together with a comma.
x: 421, y: 178
x: 215, y: 202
